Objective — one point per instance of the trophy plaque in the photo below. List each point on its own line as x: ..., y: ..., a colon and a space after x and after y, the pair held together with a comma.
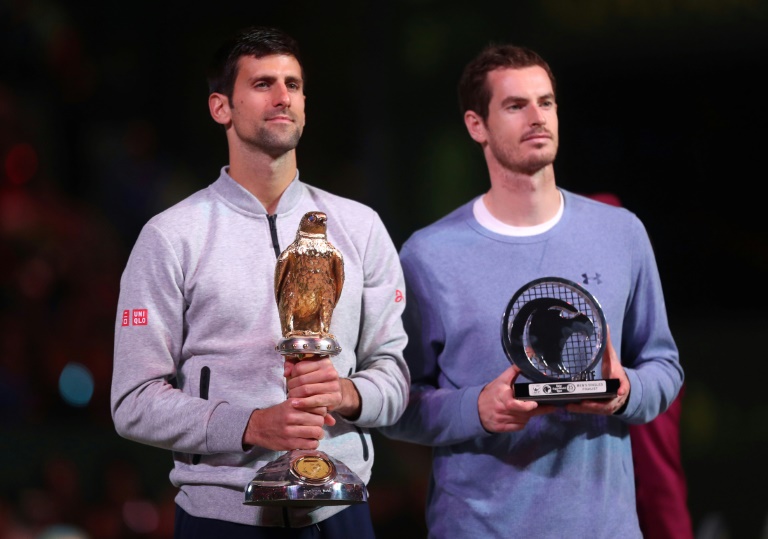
x: 553, y: 329
x: 309, y: 276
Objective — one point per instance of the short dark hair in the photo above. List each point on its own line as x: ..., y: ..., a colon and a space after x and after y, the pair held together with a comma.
x: 256, y: 41
x: 474, y: 92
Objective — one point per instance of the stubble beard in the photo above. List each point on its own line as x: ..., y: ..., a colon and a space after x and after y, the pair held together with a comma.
x: 514, y: 160
x: 275, y: 142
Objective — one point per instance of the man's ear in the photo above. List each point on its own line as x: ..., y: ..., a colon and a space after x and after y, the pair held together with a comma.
x: 475, y: 126
x: 218, y: 105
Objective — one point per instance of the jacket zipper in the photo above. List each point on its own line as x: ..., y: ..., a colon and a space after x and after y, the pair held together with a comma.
x: 273, y: 231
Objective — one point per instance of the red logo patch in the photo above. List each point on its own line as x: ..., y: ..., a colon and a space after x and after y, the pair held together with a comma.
x: 399, y: 296
x: 126, y: 317
x: 139, y: 317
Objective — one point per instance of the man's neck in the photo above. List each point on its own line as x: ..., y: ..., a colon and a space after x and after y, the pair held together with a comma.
x: 519, y: 199
x: 264, y: 177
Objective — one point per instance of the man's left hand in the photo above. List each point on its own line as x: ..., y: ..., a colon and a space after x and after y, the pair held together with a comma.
x: 611, y: 369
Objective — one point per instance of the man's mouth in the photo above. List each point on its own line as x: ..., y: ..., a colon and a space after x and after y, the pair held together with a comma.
x: 537, y: 135
x: 280, y: 118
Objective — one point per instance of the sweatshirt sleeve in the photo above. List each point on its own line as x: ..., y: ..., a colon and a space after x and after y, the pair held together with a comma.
x: 146, y: 405
x: 382, y: 377
x: 648, y: 350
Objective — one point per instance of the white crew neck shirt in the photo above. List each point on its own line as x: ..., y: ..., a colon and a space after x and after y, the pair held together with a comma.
x: 484, y: 217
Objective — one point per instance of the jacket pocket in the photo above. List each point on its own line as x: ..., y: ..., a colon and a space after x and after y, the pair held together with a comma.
x: 205, y: 381
x: 360, y: 433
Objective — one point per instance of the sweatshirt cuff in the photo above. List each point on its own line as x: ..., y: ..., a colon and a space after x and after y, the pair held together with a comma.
x: 226, y: 427
x: 371, y: 401
x: 635, y: 395
x: 470, y: 413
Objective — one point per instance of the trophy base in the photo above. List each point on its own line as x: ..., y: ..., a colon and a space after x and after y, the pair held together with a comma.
x: 305, y: 478
x: 300, y: 345
x: 567, y: 392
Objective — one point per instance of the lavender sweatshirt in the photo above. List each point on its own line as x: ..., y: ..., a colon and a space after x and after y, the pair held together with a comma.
x: 563, y: 475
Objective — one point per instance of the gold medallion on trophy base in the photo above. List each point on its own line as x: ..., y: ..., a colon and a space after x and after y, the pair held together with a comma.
x: 312, y: 469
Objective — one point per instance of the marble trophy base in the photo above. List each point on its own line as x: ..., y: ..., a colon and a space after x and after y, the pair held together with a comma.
x: 305, y: 478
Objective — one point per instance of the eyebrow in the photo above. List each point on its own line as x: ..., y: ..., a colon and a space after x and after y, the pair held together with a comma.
x: 519, y: 99
x: 271, y: 79
x: 294, y: 79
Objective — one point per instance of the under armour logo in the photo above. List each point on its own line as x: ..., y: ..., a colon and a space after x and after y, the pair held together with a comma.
x: 399, y: 296
x: 595, y: 278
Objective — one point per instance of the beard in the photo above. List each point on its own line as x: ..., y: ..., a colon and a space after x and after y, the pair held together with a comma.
x: 276, y: 142
x: 514, y: 159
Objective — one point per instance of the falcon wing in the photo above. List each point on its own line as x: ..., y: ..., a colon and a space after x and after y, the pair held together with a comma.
x: 338, y: 274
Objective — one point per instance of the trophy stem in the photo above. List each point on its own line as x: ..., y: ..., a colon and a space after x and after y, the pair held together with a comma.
x: 302, y: 346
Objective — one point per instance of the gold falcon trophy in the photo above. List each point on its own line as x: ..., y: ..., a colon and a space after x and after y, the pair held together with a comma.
x: 309, y: 276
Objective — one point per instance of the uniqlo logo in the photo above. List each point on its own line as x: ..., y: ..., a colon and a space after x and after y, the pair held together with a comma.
x: 126, y: 317
x: 139, y: 317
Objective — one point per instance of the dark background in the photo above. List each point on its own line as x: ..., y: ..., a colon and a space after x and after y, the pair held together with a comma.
x: 104, y: 122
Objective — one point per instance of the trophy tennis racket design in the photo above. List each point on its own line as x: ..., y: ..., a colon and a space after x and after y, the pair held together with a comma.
x: 554, y: 330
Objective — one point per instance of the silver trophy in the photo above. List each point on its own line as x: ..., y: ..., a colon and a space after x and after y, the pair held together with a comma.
x: 309, y: 276
x: 553, y: 329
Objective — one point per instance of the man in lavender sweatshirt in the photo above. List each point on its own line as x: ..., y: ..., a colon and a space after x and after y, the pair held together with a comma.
x: 504, y: 467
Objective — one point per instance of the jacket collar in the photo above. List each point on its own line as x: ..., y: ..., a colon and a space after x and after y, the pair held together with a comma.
x: 241, y: 198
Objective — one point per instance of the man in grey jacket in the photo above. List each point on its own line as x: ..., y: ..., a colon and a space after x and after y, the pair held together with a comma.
x: 195, y: 366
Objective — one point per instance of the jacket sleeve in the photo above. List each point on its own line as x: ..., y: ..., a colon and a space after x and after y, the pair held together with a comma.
x: 382, y: 377
x: 146, y: 405
x: 438, y: 414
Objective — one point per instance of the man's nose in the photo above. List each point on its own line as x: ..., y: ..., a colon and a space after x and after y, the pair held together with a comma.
x: 537, y: 116
x: 281, y: 97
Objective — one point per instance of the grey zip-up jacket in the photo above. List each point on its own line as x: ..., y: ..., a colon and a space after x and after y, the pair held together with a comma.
x: 197, y: 294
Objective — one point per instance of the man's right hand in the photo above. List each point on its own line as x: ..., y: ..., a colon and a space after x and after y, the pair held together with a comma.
x: 500, y: 411
x: 284, y: 427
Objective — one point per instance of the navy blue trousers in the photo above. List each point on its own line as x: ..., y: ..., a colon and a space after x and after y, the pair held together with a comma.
x: 354, y: 521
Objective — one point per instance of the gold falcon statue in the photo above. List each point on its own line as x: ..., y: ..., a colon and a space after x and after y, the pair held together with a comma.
x: 309, y: 276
